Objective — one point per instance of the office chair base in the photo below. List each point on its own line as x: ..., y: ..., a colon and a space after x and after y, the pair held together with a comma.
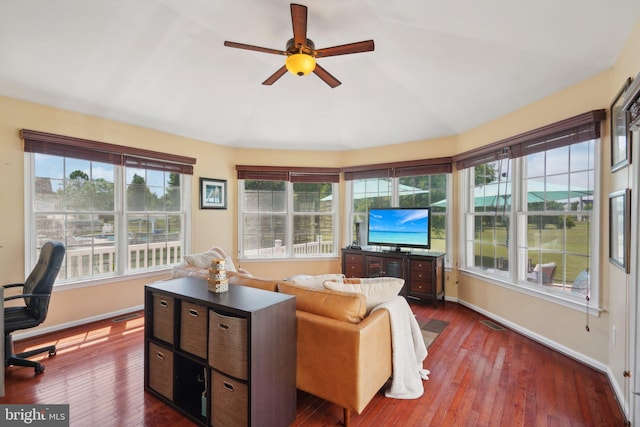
x: 20, y: 359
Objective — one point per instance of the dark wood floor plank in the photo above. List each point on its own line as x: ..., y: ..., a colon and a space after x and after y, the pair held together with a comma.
x: 479, y: 377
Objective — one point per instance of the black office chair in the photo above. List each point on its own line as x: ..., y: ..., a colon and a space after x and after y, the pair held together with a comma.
x: 36, y: 292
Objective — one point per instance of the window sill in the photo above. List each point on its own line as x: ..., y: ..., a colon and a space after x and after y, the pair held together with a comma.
x: 294, y: 259
x: 84, y: 283
x: 535, y: 292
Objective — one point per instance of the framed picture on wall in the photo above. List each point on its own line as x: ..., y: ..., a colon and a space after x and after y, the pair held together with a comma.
x: 620, y: 135
x: 619, y: 229
x: 213, y: 193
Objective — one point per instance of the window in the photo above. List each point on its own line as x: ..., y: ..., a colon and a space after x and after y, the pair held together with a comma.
x: 418, y: 183
x: 287, y: 212
x: 116, y: 214
x: 489, y: 202
x: 529, y: 208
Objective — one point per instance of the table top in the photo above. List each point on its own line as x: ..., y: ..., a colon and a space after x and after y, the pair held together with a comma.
x: 237, y: 297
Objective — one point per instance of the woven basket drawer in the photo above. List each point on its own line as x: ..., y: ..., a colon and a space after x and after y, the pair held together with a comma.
x: 193, y: 329
x: 163, y: 317
x: 228, y: 344
x: 161, y: 370
x: 229, y: 402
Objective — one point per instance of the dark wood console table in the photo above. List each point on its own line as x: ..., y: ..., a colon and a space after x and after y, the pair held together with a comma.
x: 422, y: 271
x: 221, y: 358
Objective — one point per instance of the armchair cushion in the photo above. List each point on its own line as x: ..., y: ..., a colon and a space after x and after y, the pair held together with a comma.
x: 203, y: 259
x: 376, y: 290
x: 254, y: 282
x: 346, y: 307
x: 315, y: 282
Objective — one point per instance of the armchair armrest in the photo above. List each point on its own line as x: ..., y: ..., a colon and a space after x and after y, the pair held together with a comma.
x: 12, y: 285
x: 342, y: 362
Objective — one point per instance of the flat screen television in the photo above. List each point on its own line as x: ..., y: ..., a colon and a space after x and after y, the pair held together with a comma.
x: 400, y: 227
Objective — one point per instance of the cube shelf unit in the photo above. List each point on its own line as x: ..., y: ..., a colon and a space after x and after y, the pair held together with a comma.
x: 221, y: 358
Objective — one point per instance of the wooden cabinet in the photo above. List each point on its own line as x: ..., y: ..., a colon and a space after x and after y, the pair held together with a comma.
x: 426, y: 277
x: 423, y: 272
x: 221, y: 359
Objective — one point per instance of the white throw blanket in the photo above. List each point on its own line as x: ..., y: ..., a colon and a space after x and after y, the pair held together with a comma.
x: 408, y: 351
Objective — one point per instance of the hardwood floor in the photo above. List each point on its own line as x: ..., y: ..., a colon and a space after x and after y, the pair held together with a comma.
x: 479, y: 377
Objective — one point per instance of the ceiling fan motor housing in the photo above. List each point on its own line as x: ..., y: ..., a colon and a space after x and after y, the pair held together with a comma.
x: 300, y: 58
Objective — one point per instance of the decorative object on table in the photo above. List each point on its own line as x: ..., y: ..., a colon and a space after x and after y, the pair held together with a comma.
x: 218, y: 281
x: 213, y: 193
x: 619, y: 230
x: 620, y: 134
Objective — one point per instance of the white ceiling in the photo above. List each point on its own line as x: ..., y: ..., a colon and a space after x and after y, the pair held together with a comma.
x: 439, y: 67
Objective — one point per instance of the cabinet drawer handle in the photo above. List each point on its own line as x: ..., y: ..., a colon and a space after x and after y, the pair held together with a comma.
x: 223, y: 326
x: 193, y: 312
x: 163, y: 303
x: 160, y: 355
x: 228, y: 386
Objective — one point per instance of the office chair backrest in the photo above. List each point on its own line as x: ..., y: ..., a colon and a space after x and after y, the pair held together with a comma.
x: 42, y: 278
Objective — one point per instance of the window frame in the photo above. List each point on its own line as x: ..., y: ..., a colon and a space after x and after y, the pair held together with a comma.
x: 289, y: 216
x: 395, y: 202
x: 534, y: 142
x: 120, y: 157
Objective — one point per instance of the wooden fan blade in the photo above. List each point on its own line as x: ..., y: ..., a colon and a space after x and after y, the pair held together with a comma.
x: 326, y: 77
x: 254, y: 48
x: 365, y: 46
x: 299, y: 22
x: 275, y: 76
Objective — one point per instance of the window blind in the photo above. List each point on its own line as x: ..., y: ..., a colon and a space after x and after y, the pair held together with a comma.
x: 400, y: 169
x: 573, y: 130
x: 285, y: 173
x: 85, y: 149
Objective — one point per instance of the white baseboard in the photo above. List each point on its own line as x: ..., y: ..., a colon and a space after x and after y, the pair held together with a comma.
x: 540, y: 338
x: 557, y: 347
x: 45, y: 330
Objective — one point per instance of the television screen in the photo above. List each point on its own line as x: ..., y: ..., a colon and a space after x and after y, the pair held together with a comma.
x: 400, y: 227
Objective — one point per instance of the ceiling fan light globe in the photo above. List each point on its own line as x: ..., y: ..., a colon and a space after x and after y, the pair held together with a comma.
x: 300, y: 64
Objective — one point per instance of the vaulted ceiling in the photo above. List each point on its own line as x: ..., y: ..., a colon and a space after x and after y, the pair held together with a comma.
x: 439, y: 67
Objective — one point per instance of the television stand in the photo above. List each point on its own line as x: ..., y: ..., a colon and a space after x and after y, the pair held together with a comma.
x: 423, y: 273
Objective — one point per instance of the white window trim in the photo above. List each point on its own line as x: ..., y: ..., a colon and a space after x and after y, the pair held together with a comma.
x: 289, y: 233
x: 30, y: 233
x: 594, y: 306
x: 395, y: 199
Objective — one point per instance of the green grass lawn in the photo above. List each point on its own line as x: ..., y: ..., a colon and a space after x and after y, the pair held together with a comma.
x: 546, y: 245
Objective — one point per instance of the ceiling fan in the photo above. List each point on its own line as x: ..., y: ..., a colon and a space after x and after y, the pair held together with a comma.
x: 301, y: 53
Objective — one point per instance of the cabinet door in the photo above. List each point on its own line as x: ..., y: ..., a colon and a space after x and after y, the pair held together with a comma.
x: 385, y: 267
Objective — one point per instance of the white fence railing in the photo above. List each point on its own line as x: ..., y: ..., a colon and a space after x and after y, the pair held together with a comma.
x: 316, y: 247
x: 88, y: 260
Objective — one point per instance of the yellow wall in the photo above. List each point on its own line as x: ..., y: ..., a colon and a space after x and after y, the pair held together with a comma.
x: 219, y: 227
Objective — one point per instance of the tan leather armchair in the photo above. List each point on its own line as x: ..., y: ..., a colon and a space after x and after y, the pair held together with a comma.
x: 342, y: 356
